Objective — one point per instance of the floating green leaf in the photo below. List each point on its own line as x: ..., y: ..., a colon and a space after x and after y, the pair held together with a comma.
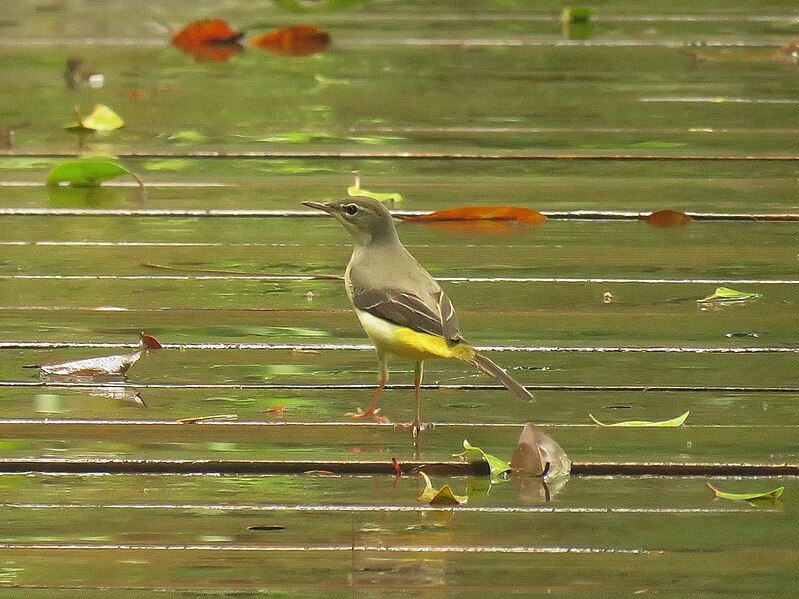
x: 355, y: 190
x: 87, y: 172
x: 442, y: 496
x: 578, y: 14
x: 496, y: 466
x: 187, y: 137
x: 101, y: 118
x: 665, y: 423
x: 769, y: 495
x: 727, y: 295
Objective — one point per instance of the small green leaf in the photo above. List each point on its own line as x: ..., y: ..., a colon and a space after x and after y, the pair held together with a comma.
x: 87, y: 172
x: 442, y: 496
x: 101, y: 118
x: 665, y: 423
x: 725, y: 294
x: 475, y: 454
x: 355, y: 190
x: 578, y: 14
x: 187, y: 136
x: 769, y: 495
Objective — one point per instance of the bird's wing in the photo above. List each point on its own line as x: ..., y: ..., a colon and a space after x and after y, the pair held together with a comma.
x: 409, y: 310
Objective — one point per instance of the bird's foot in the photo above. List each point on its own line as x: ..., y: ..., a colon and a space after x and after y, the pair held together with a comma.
x: 414, y: 427
x: 373, y: 414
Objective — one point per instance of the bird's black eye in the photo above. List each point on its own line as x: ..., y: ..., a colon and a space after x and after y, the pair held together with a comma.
x: 351, y: 209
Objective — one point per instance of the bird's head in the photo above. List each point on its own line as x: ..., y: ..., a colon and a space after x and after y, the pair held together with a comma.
x: 366, y: 219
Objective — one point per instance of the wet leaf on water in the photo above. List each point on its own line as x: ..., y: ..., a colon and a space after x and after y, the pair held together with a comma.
x: 678, y: 421
x: 88, y: 172
x: 537, y: 454
x: 216, y: 417
x: 668, y: 218
x: 471, y: 453
x: 726, y: 295
x: 170, y: 164
x: 105, y: 366
x: 768, y: 495
x: 356, y: 190
x: 300, y: 40
x: 208, y: 40
x: 278, y: 410
x: 442, y: 496
x: 577, y: 22
x: 188, y: 136
x: 101, y: 118
x: 482, y: 213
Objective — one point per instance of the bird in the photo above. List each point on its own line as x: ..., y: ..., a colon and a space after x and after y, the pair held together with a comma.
x: 400, y: 306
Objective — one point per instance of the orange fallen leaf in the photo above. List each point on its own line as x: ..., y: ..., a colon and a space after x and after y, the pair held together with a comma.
x: 668, y: 218
x: 482, y: 213
x: 208, y: 40
x: 300, y: 40
x: 139, y: 94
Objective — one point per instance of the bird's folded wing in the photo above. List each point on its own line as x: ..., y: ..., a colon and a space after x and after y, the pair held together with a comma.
x: 409, y: 310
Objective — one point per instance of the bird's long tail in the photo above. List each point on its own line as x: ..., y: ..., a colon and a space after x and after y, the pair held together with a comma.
x: 487, y: 366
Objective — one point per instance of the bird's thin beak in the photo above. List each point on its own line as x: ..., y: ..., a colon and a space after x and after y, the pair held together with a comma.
x: 320, y: 206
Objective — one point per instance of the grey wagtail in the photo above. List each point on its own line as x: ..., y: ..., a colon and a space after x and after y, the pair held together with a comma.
x: 400, y: 306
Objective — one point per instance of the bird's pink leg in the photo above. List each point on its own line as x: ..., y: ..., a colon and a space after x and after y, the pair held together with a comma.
x: 371, y: 411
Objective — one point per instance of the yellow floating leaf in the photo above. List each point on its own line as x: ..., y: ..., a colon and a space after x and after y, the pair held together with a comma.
x: 641, y: 423
x: 727, y: 295
x: 101, y: 118
x: 442, y: 496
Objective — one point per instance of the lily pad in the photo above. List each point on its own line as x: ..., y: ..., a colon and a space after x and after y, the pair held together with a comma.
x: 442, y: 496
x: 87, y: 172
x: 475, y: 454
x: 727, y: 295
x: 768, y: 495
x: 101, y: 118
x: 678, y: 421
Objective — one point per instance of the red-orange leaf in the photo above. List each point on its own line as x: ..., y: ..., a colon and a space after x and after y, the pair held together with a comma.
x: 482, y: 213
x: 300, y: 40
x: 668, y: 218
x: 211, y: 40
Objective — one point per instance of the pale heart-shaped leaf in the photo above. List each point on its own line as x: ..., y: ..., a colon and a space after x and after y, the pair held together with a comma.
x: 101, y: 118
x: 678, y: 421
x: 105, y: 366
x: 496, y: 466
x: 537, y: 454
x: 442, y: 496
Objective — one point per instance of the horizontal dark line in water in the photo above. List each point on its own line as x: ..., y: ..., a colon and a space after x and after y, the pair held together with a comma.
x: 177, y: 466
x: 305, y: 548
x: 582, y: 215
x: 369, y: 42
x: 345, y: 508
x: 226, y: 421
x: 409, y: 155
x: 8, y: 345
x: 327, y: 276
x: 358, y: 386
